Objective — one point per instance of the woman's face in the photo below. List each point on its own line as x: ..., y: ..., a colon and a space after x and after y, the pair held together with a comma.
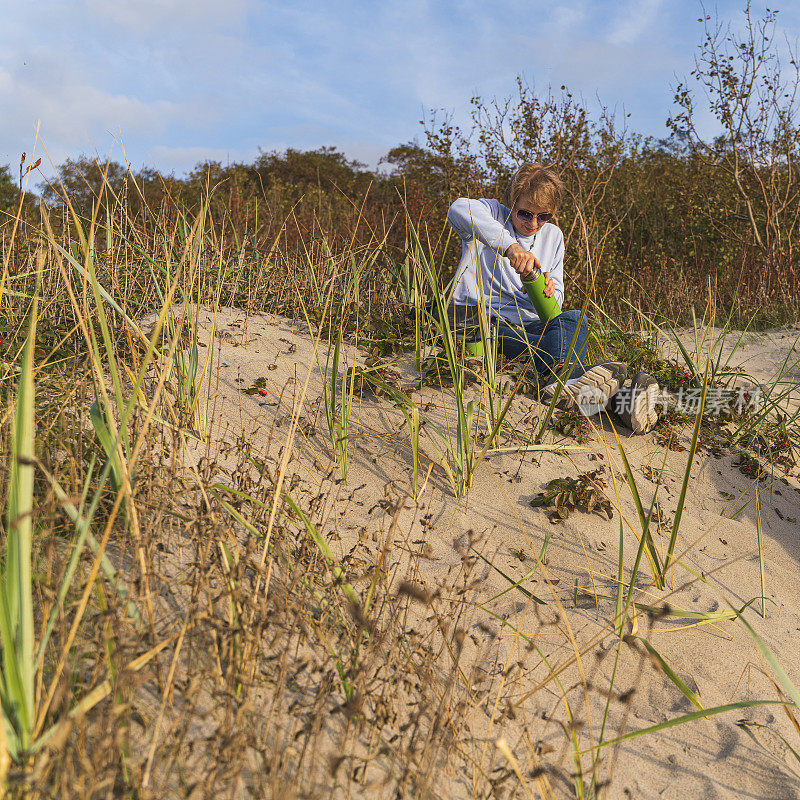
x: 528, y: 223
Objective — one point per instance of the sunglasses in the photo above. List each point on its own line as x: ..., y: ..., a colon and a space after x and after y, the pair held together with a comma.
x: 545, y: 216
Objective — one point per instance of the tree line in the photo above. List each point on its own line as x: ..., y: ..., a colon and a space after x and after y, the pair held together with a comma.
x: 649, y: 223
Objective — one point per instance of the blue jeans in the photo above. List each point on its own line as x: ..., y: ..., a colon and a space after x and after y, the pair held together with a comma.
x: 546, y: 344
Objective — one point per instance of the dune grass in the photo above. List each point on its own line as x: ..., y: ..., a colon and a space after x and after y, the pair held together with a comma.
x: 181, y: 626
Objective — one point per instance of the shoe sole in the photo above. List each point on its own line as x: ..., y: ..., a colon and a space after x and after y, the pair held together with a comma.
x: 645, y: 392
x: 593, y: 390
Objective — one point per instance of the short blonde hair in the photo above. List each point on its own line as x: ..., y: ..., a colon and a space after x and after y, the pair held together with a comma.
x: 540, y: 183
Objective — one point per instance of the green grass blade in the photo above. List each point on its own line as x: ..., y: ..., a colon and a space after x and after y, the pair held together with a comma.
x: 561, y: 380
x: 326, y: 552
x: 672, y: 675
x: 108, y: 443
x: 82, y: 273
x: 686, y: 357
x: 706, y: 712
x: 515, y: 584
x: 83, y: 529
x: 619, y: 603
x: 770, y: 729
x: 760, y: 539
x: 650, y: 547
x: 526, y: 576
x: 16, y: 615
x: 676, y: 522
x: 769, y: 657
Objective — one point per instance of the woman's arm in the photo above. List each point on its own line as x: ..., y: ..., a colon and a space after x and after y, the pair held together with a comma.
x: 478, y: 219
x: 525, y: 262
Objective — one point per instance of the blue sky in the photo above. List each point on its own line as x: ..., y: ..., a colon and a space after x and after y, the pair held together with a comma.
x: 177, y: 81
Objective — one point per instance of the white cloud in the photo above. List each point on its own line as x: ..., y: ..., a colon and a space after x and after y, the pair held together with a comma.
x: 633, y: 20
x: 567, y: 17
x: 185, y: 80
x: 153, y: 15
x: 73, y: 114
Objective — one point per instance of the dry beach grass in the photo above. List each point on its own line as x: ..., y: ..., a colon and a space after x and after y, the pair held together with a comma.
x: 252, y: 555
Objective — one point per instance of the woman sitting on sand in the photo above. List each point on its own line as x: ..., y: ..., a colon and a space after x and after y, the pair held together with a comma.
x: 506, y: 243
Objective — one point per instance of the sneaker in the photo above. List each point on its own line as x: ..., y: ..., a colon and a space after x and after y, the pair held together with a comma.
x: 576, y: 369
x: 591, y: 391
x: 636, y: 406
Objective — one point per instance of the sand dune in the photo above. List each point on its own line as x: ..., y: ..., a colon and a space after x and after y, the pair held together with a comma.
x: 509, y: 636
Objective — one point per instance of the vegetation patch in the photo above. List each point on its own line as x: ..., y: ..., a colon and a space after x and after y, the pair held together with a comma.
x: 570, y: 422
x: 584, y: 493
x: 376, y: 378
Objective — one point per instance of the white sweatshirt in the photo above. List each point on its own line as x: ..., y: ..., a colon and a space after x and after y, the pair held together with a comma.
x: 486, y: 232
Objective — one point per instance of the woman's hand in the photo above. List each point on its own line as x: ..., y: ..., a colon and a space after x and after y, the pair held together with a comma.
x: 523, y: 261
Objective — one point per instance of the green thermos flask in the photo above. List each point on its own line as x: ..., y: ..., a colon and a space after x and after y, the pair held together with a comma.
x: 546, y: 307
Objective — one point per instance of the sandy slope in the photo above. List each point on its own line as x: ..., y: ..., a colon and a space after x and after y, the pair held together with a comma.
x: 760, y: 358
x: 709, y: 758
